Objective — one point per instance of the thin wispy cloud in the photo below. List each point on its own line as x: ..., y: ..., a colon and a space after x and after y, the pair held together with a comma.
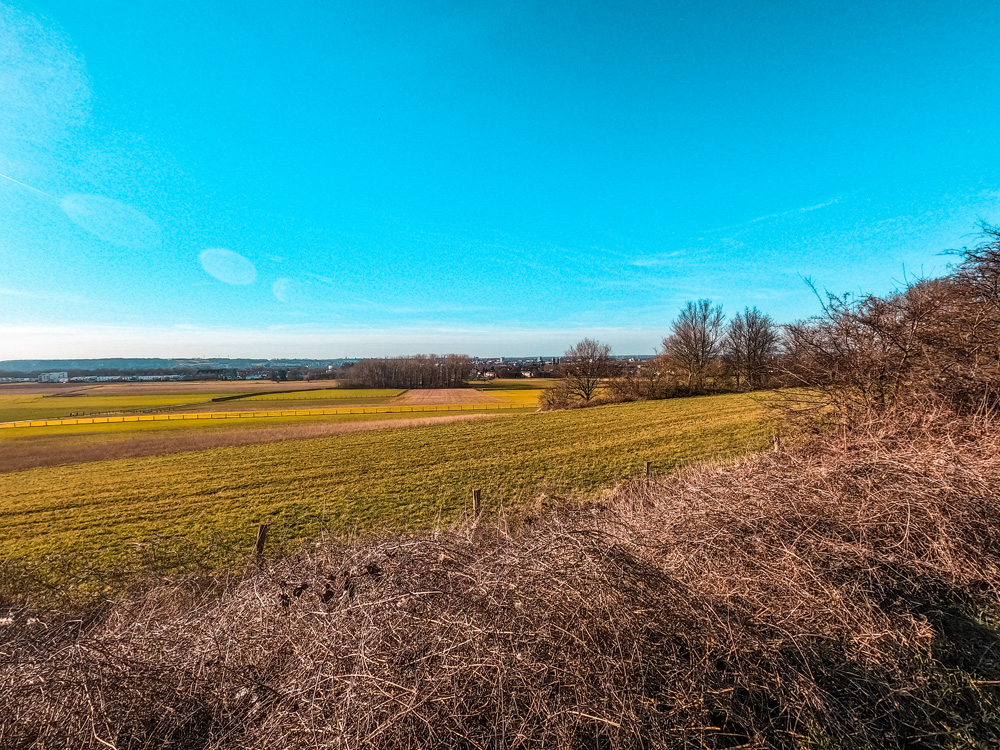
x: 25, y: 185
x: 14, y: 292
x: 46, y: 296
x: 776, y: 216
x: 435, y: 309
x: 656, y: 261
x: 794, y: 211
x: 675, y: 258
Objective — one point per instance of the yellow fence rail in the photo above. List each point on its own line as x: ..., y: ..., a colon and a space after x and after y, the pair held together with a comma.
x: 338, y: 411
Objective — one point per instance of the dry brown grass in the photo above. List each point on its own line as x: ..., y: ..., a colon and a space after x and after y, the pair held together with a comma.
x: 828, y: 597
x: 57, y: 450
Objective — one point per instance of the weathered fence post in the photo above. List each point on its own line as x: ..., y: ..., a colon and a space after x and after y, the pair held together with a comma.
x: 477, y: 503
x: 261, y: 538
x: 649, y: 469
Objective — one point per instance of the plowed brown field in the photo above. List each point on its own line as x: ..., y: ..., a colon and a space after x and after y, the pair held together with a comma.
x: 447, y: 396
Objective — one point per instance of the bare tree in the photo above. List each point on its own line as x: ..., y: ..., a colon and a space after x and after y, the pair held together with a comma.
x: 749, y: 347
x: 583, y: 368
x: 979, y: 270
x: 695, y: 342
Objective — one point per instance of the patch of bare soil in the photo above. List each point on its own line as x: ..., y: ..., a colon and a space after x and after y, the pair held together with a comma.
x: 427, y: 396
x: 59, y: 450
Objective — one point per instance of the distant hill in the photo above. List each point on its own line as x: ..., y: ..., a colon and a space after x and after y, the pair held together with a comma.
x: 138, y: 364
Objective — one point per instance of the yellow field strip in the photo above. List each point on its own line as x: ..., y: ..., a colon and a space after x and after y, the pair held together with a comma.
x: 262, y: 414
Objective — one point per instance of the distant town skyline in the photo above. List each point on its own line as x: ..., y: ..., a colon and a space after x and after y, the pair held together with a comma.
x: 324, y: 180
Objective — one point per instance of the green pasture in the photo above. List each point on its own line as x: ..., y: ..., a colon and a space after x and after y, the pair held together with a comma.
x: 208, y: 503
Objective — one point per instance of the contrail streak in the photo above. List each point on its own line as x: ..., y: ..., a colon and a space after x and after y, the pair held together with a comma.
x: 18, y: 182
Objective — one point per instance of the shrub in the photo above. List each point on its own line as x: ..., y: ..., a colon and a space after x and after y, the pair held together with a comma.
x: 934, y: 339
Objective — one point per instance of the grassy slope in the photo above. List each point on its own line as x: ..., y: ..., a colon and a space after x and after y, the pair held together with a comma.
x: 408, y: 478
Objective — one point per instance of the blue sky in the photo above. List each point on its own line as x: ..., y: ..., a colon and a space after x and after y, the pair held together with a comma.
x: 329, y: 179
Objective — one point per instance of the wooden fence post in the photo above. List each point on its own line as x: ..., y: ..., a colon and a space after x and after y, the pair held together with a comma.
x: 477, y: 502
x: 261, y: 538
x: 649, y: 469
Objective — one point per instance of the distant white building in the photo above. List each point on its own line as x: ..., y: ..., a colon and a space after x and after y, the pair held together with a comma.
x: 53, y: 377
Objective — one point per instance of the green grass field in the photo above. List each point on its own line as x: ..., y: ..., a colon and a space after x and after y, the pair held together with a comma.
x: 208, y: 503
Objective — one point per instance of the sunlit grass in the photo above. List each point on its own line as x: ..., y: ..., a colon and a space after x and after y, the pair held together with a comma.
x: 409, y: 479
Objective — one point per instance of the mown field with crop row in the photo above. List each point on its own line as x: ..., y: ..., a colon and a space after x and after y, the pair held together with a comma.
x: 263, y: 413
x: 27, y: 406
x: 208, y: 503
x: 131, y: 430
x: 59, y: 402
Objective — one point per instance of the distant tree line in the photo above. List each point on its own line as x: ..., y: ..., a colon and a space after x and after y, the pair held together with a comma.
x: 188, y: 373
x: 419, y: 371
